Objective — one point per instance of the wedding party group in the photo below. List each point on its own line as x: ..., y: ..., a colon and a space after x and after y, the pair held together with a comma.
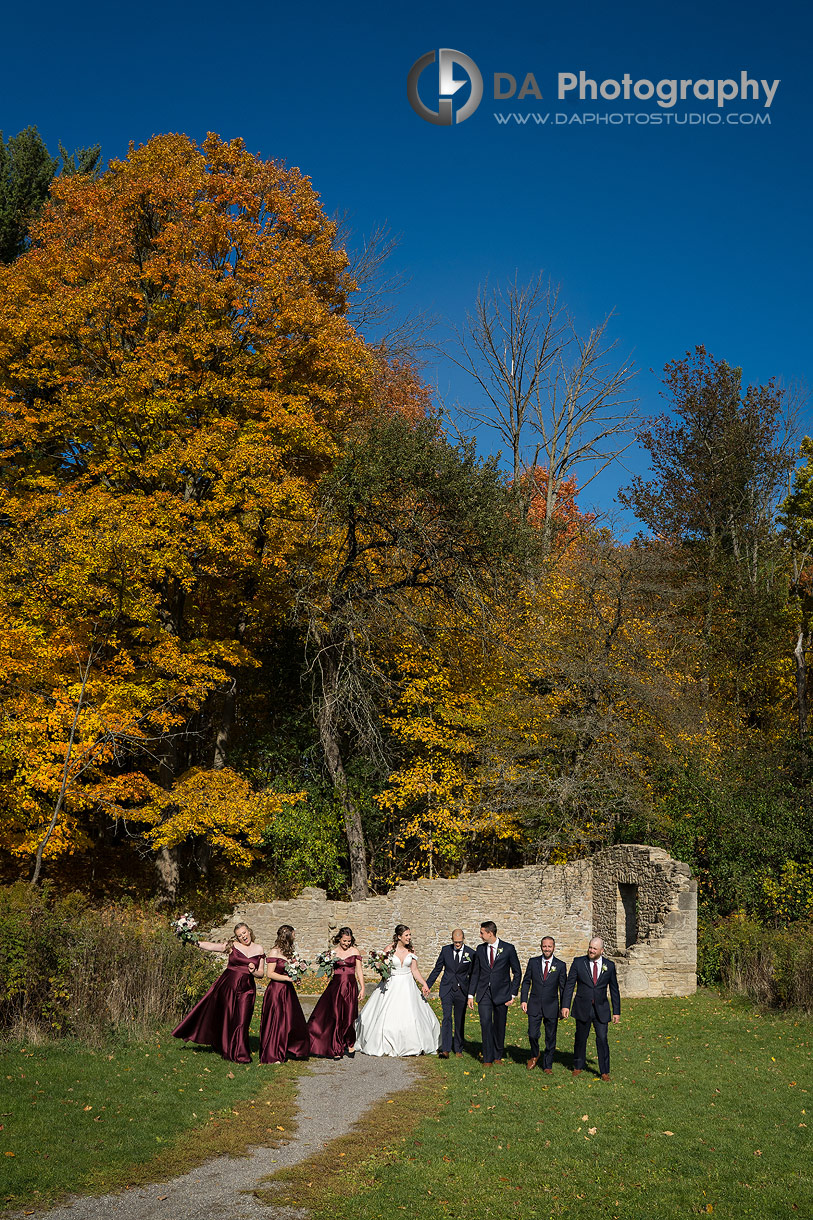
x: 397, y: 1018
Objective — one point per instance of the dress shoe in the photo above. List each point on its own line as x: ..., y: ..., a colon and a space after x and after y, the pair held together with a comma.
x: 488, y: 1065
x: 548, y: 1071
x: 458, y: 1054
x: 531, y: 1064
x: 577, y: 1071
x: 498, y: 1061
x: 605, y: 1075
x: 443, y: 1054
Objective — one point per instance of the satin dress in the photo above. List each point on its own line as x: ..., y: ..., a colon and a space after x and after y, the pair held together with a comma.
x: 397, y: 1020
x: 221, y: 1019
x: 283, y: 1028
x: 332, y: 1026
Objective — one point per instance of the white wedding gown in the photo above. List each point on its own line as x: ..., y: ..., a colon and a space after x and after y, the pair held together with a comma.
x: 397, y: 1020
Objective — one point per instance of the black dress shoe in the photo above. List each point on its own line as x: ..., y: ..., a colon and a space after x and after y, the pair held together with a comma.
x: 443, y: 1054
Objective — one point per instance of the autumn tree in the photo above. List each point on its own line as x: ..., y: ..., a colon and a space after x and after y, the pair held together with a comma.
x: 176, y: 375
x: 720, y: 461
x: 405, y: 519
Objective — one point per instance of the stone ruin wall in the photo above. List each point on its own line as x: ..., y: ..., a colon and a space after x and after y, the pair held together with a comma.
x: 570, y: 902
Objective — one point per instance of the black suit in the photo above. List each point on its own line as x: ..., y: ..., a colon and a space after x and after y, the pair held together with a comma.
x: 454, y: 993
x: 592, y: 1007
x: 544, y: 1003
x: 493, y: 987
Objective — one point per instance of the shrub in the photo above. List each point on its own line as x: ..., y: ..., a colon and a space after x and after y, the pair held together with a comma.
x: 68, y: 969
x: 772, y: 966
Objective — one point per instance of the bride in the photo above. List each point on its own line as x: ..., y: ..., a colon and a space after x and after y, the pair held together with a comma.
x: 395, y: 1020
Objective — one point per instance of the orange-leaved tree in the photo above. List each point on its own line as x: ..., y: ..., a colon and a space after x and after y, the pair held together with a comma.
x: 176, y: 373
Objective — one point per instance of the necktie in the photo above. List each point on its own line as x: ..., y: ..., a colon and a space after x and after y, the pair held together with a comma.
x: 457, y: 957
x: 491, y: 956
x: 545, y: 972
x: 595, y: 973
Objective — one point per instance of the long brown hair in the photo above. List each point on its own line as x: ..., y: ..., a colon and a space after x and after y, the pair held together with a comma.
x: 285, y: 940
x: 344, y: 932
x: 399, y: 928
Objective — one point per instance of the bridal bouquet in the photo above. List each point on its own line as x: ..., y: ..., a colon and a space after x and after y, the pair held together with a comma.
x: 382, y: 964
x: 184, y: 929
x: 297, y: 968
x: 325, y: 963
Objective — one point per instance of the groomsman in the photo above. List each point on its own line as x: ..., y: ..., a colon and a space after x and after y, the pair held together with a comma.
x: 544, y: 982
x: 494, y: 984
x: 592, y: 976
x: 456, y: 961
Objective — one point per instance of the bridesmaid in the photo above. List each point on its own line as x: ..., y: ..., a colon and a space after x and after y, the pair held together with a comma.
x: 283, y: 1028
x: 221, y: 1019
x: 332, y: 1026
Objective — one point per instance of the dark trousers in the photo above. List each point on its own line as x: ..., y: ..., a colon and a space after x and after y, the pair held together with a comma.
x: 535, y: 1020
x: 602, y: 1045
x: 452, y: 1026
x: 493, y: 1019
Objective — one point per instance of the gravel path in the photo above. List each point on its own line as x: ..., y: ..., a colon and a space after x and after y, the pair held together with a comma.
x: 331, y: 1098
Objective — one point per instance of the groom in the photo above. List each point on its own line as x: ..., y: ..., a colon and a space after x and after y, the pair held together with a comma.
x: 494, y: 984
x: 457, y: 962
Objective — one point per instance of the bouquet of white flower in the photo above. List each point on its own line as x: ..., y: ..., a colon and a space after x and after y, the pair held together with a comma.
x: 326, y: 964
x: 382, y: 964
x: 297, y: 968
x: 184, y: 929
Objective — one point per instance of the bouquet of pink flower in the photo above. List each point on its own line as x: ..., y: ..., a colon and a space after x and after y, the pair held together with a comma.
x: 184, y: 929
x: 326, y: 964
x: 297, y: 968
x: 382, y: 964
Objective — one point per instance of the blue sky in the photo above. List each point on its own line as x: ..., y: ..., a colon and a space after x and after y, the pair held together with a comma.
x: 691, y: 234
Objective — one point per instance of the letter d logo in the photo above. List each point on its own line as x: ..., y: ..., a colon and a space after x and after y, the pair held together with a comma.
x: 448, y: 59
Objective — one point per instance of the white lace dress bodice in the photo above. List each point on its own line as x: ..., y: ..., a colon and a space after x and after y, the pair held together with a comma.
x: 397, y: 1020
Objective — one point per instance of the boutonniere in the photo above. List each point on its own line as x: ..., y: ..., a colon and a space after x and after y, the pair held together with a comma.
x: 603, y: 968
x: 499, y: 951
x: 466, y: 957
x: 552, y: 970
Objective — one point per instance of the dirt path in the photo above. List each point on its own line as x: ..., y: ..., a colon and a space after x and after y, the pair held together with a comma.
x: 331, y: 1097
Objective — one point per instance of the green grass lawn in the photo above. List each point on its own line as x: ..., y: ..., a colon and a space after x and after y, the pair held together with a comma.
x: 707, y: 1113
x: 88, y: 1120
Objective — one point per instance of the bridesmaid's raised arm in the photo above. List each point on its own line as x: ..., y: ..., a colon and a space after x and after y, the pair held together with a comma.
x: 360, y: 975
x: 213, y: 946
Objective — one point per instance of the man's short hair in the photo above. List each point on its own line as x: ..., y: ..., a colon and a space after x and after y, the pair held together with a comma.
x: 489, y: 926
x: 544, y: 938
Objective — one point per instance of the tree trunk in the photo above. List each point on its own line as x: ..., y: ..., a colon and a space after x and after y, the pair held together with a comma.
x: 800, y: 657
x: 168, y: 872
x: 224, y: 724
x: 329, y: 737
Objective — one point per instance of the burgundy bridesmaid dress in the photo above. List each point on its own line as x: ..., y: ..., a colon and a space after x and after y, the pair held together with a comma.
x: 332, y: 1023
x: 283, y: 1028
x: 221, y: 1019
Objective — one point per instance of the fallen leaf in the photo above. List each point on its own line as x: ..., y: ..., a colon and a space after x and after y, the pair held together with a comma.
x: 230, y: 1075
x: 669, y: 1133
x: 592, y: 1130
x: 584, y: 1118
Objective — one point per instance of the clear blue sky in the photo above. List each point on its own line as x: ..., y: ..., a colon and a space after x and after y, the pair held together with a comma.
x: 692, y: 234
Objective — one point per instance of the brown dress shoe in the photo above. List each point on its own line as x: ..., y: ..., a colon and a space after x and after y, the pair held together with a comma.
x: 531, y: 1064
x: 605, y: 1075
x: 577, y: 1071
x: 498, y: 1060
x: 443, y: 1054
x: 458, y: 1054
x: 489, y: 1064
x: 548, y: 1071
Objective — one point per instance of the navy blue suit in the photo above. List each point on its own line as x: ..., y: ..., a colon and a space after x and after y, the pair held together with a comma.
x: 592, y: 1007
x: 543, y: 997
x: 492, y: 988
x: 454, y: 994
